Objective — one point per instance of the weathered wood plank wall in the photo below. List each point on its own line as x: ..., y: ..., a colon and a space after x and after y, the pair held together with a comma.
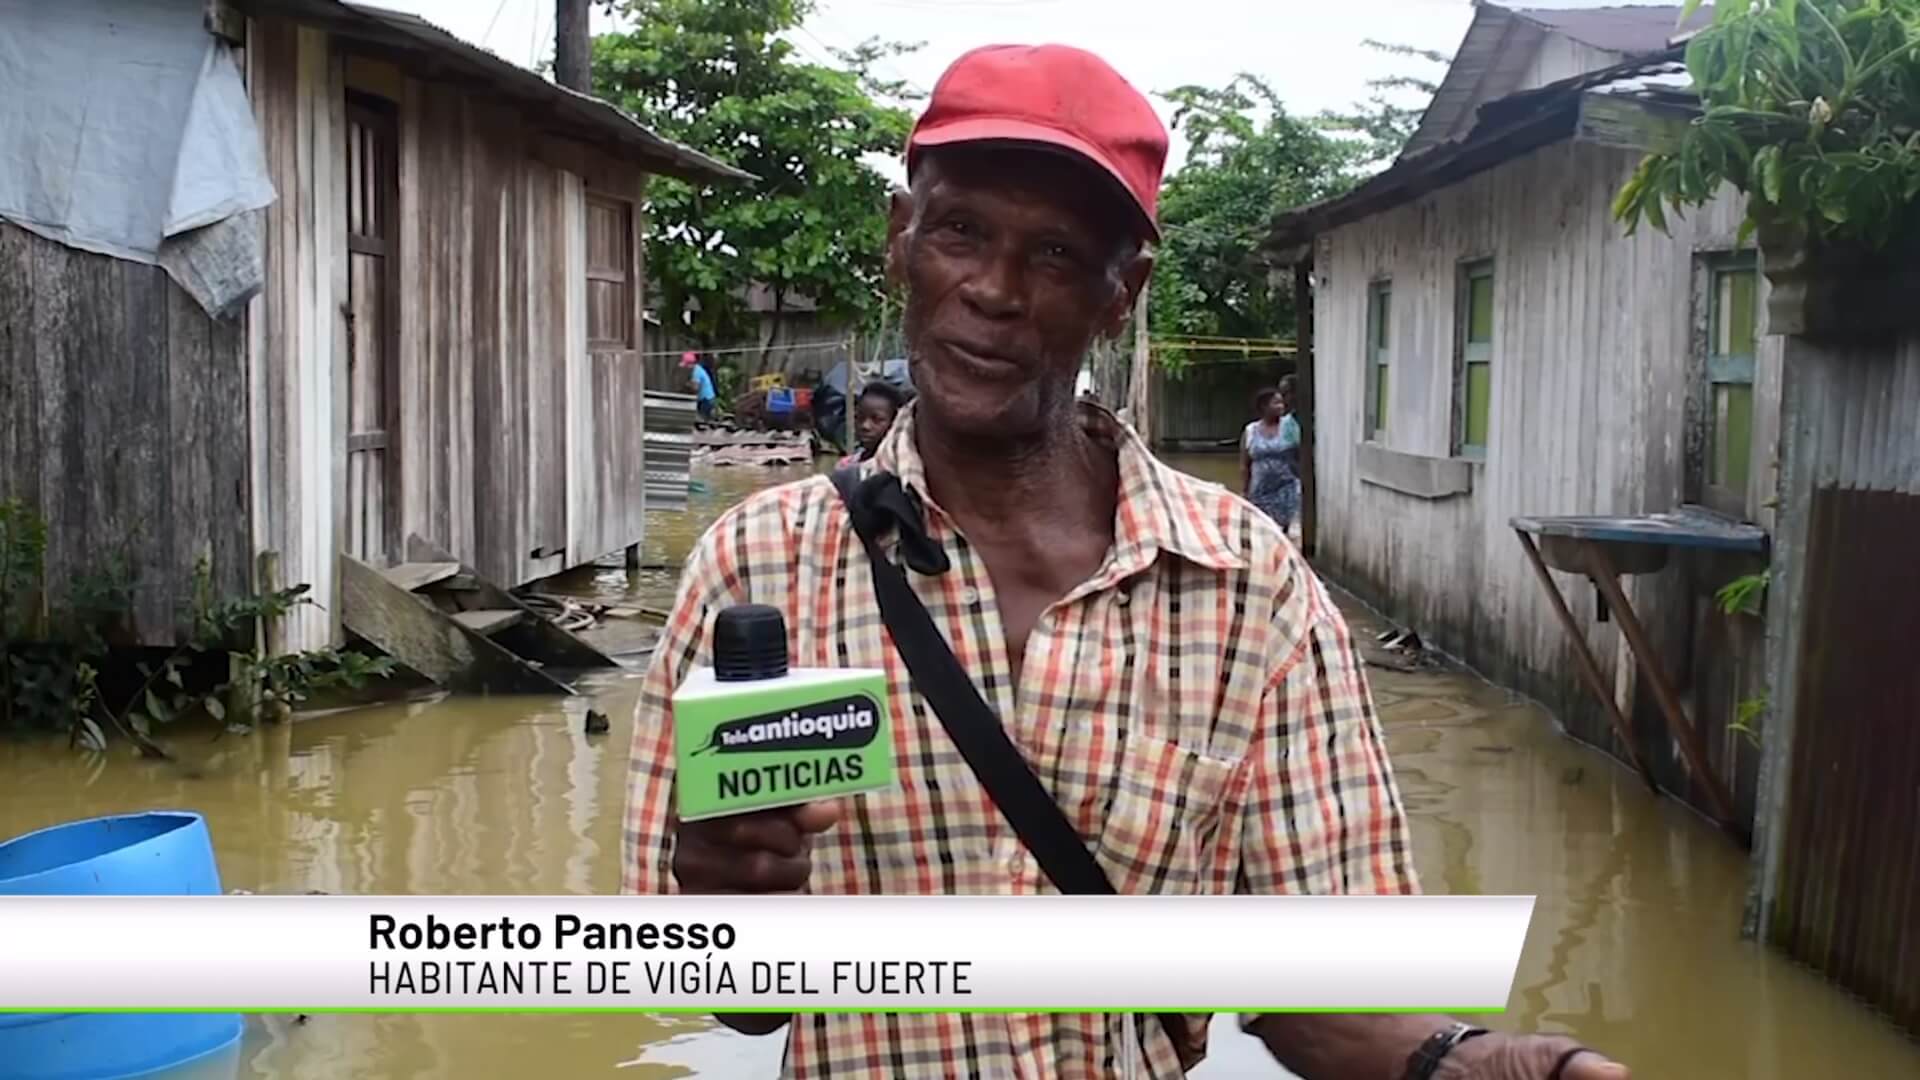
x: 298, y: 338
x: 1592, y: 331
x: 516, y: 438
x: 123, y: 422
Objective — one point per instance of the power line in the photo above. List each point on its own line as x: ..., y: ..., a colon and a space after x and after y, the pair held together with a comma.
x: 898, y: 74
x: 807, y: 345
x: 497, y: 9
x: 533, y: 36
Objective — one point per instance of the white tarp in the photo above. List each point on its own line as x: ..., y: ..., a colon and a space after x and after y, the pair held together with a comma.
x: 125, y: 129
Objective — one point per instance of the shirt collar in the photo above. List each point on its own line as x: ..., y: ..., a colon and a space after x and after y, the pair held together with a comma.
x: 1158, y: 508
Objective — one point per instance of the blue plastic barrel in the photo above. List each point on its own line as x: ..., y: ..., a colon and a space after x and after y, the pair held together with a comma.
x: 780, y: 401
x: 161, y: 853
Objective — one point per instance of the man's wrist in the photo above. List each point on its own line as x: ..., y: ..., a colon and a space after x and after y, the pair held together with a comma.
x: 1426, y: 1059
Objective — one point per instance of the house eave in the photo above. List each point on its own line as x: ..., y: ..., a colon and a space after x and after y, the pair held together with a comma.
x: 1506, y: 129
x: 558, y: 109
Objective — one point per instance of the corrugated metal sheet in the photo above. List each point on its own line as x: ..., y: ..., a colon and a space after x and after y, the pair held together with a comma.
x: 1840, y: 872
x: 1849, y: 899
x: 669, y: 449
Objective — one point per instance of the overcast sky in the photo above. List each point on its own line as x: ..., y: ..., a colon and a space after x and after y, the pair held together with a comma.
x: 1311, y: 52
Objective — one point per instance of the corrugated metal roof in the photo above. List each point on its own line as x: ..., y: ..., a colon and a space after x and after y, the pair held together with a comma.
x: 1660, y: 81
x: 1632, y: 31
x: 1503, y: 130
x: 567, y: 111
x: 1496, y: 48
x: 1501, y: 44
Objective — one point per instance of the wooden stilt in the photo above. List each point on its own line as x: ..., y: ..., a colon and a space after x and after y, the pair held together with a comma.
x: 1608, y: 579
x: 1588, y: 664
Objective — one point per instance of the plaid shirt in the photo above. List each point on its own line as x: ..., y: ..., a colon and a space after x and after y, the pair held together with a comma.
x: 1196, y: 707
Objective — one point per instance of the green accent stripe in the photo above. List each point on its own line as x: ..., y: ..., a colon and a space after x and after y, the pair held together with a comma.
x: 830, y: 1011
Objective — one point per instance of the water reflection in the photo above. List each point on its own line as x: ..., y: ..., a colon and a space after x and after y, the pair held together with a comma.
x: 1633, y: 945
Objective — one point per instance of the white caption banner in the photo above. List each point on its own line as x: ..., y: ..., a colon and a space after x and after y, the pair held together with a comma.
x: 1145, y: 953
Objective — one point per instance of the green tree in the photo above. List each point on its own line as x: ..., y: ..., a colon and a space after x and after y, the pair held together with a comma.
x: 1247, y: 158
x: 1384, y: 122
x: 716, y: 75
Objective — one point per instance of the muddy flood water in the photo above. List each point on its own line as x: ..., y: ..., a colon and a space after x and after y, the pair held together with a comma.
x: 1634, y: 944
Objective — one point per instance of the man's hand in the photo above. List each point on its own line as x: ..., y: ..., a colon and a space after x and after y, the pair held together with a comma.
x: 1330, y: 1045
x: 763, y: 852
x: 1526, y: 1057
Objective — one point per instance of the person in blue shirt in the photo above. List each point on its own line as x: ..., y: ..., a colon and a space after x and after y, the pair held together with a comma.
x: 1270, y: 455
x: 704, y: 394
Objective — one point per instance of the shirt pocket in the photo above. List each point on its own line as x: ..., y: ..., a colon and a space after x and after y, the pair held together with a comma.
x: 1162, y: 827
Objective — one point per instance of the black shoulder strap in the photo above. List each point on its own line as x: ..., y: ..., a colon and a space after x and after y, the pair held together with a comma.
x: 971, y: 723
x: 977, y: 732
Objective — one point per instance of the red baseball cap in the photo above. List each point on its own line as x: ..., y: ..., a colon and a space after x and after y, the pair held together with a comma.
x: 1055, y: 96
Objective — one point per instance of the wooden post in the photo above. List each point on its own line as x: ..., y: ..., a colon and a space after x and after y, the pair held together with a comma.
x: 273, y: 636
x: 1303, y: 398
x: 1140, y: 378
x: 633, y: 557
x: 1588, y: 664
x: 572, y: 46
x: 271, y: 639
x: 1607, y: 578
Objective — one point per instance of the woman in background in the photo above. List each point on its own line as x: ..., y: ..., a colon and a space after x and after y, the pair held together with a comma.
x: 1270, y: 456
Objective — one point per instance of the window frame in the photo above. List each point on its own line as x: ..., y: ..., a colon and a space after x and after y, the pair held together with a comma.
x: 626, y: 277
x: 1468, y: 353
x: 1376, y: 409
x: 1722, y: 365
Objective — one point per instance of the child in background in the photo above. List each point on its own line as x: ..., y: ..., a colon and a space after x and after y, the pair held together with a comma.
x: 879, y: 402
x: 702, y: 382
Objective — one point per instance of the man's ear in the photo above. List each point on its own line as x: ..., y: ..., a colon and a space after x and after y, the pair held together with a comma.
x: 899, y: 223
x: 1134, y: 275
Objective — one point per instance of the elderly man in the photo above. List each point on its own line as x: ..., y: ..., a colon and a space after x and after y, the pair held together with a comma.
x: 1165, y: 662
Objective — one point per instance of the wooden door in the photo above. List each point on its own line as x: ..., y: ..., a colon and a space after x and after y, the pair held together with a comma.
x: 373, y: 475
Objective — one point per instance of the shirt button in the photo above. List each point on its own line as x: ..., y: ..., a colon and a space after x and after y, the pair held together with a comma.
x: 969, y: 595
x: 1124, y: 599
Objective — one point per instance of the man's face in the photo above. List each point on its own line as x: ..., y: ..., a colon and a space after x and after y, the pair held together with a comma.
x: 1015, y: 261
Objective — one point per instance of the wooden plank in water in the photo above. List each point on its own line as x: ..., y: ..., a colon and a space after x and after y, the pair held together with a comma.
x: 540, y: 640
x: 488, y: 621
x: 422, y: 637
x: 414, y: 576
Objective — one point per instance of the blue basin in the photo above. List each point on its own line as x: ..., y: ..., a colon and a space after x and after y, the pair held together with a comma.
x: 160, y: 853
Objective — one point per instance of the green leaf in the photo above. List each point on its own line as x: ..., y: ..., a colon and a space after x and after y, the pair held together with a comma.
x: 214, y: 706
x: 1768, y: 168
x: 157, y: 708
x: 173, y: 674
x: 91, y: 736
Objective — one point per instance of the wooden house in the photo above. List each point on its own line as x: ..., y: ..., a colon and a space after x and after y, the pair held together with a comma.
x: 1488, y: 342
x: 445, y: 345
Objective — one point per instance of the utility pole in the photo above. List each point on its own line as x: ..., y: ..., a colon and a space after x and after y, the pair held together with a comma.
x: 1140, y: 378
x: 572, y: 46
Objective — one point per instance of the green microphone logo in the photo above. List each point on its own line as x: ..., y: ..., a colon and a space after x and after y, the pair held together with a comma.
x: 752, y: 734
